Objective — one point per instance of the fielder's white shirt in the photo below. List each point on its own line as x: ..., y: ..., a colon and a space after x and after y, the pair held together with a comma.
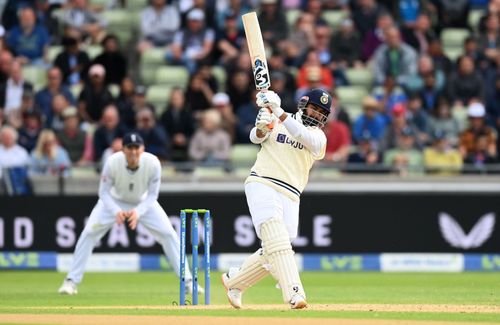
x: 140, y: 187
x: 286, y: 156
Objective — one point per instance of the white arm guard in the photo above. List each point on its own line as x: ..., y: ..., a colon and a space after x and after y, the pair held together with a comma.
x: 255, y: 139
x: 313, y: 140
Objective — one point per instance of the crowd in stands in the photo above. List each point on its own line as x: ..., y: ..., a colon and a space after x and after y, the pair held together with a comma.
x: 423, y: 106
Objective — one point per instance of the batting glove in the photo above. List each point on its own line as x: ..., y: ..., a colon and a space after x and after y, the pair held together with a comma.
x: 271, y: 100
x: 265, y: 120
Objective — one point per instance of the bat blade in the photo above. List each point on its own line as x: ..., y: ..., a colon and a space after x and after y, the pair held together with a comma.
x: 257, y: 51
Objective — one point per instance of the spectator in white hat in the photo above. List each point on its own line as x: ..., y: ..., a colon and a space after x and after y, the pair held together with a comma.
x: 477, y: 128
x: 222, y: 103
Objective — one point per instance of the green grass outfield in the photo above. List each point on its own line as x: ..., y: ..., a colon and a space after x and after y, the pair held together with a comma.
x: 22, y: 289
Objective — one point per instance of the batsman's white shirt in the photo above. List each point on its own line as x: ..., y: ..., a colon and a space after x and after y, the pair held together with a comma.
x: 287, y: 155
x: 140, y: 187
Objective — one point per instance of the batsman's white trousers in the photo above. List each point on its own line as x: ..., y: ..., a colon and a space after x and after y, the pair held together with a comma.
x: 100, y: 222
x: 265, y: 203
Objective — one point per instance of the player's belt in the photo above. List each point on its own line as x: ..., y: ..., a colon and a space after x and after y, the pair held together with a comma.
x: 279, y: 183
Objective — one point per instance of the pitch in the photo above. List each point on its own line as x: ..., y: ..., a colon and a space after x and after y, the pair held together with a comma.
x: 348, y: 298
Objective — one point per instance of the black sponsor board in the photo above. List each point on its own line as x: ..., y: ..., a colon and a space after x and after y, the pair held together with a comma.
x: 341, y: 223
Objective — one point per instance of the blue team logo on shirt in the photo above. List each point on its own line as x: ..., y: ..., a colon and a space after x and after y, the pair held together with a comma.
x: 282, y: 138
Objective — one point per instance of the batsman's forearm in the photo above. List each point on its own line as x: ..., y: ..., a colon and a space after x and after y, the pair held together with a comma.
x: 255, y: 138
x: 314, y: 141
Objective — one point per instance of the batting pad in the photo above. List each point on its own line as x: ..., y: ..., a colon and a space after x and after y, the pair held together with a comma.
x: 251, y: 272
x: 279, y: 254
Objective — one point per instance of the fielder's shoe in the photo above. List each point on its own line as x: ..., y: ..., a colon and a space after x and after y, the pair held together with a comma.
x: 68, y: 288
x: 233, y: 295
x: 298, y: 302
x: 189, y: 288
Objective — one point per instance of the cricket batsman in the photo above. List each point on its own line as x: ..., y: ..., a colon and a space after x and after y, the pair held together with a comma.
x: 290, y: 143
x: 128, y: 193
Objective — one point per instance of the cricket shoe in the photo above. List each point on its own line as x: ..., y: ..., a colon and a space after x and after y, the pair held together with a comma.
x: 298, y: 302
x: 233, y: 295
x: 189, y: 288
x: 68, y: 288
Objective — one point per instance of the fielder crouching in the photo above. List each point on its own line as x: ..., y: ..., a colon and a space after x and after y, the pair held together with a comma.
x: 290, y: 143
x: 128, y: 192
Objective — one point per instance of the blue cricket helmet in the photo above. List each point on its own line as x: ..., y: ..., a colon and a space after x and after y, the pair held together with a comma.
x: 320, y: 99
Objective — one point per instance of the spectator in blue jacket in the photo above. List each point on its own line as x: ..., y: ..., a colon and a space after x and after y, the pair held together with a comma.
x: 371, y: 120
x: 28, y: 40
x: 155, y: 138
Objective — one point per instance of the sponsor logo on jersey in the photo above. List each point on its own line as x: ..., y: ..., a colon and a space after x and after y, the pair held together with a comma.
x: 282, y: 138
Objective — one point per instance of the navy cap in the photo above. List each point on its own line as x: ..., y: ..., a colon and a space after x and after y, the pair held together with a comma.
x: 320, y: 98
x: 132, y: 139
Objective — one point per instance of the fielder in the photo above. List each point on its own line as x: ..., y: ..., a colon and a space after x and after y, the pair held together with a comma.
x: 290, y: 143
x: 128, y: 192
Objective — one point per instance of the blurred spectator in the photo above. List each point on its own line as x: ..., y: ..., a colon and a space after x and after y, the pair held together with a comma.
x: 95, y: 96
x: 480, y: 155
x: 43, y: 98
x: 28, y: 40
x: 208, y: 8
x: 441, y: 157
x: 206, y: 74
x: 125, y: 101
x: 471, y: 49
x: 11, y: 92
x: 404, y: 158
x: 246, y: 113
x: 365, y: 15
x: 73, y: 62
x: 394, y: 58
x: 418, y: 117
x: 339, y: 141
x: 193, y: 43
x: 113, y: 61
x: 178, y: 121
x: 6, y: 60
x: 314, y: 8
x: 29, y: 132
x: 48, y: 158
x: 444, y: 122
x: 313, y: 80
x: 371, y: 121
x: 376, y: 37
x: 493, y: 104
x: 366, y: 151
x: 408, y: 12
x: 276, y: 63
x: 477, y: 128
x: 16, y: 117
x: 199, y: 93
x: 221, y: 102
x: 58, y: 105
x: 419, y: 36
x: 231, y: 8
x: 301, y: 38
x: 389, y: 95
x: 323, y: 35
x: 116, y: 146
x: 489, y: 41
x: 159, y: 22
x: 11, y: 154
x: 78, y: 16
x: 272, y: 21
x: 313, y: 71
x: 210, y: 143
x: 429, y: 92
x: 239, y: 88
x: 394, y: 130
x: 229, y: 39
x: 155, y: 139
x: 345, y: 45
x: 341, y: 113
x: 465, y: 84
x: 441, y: 61
x: 73, y: 139
x: 279, y: 86
x: 452, y: 13
x: 109, y: 129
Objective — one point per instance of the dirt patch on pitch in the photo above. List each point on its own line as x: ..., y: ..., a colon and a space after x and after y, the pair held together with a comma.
x: 196, y: 320
x: 406, y: 308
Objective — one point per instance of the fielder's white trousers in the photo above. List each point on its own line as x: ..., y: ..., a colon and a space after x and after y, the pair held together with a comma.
x: 100, y: 222
x: 265, y: 203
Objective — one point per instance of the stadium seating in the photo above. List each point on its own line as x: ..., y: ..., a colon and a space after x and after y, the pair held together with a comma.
x: 474, y: 18
x: 454, y: 37
x: 122, y: 23
x: 114, y: 90
x: 53, y: 52
x: 172, y: 76
x: 150, y: 61
x: 137, y: 5
x: 291, y: 16
x: 220, y: 75
x: 334, y: 17
x: 93, y: 51
x: 158, y: 95
x: 36, y: 75
x: 351, y: 98
x: 453, y: 52
x: 360, y: 77
x: 244, y: 154
x: 76, y: 90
